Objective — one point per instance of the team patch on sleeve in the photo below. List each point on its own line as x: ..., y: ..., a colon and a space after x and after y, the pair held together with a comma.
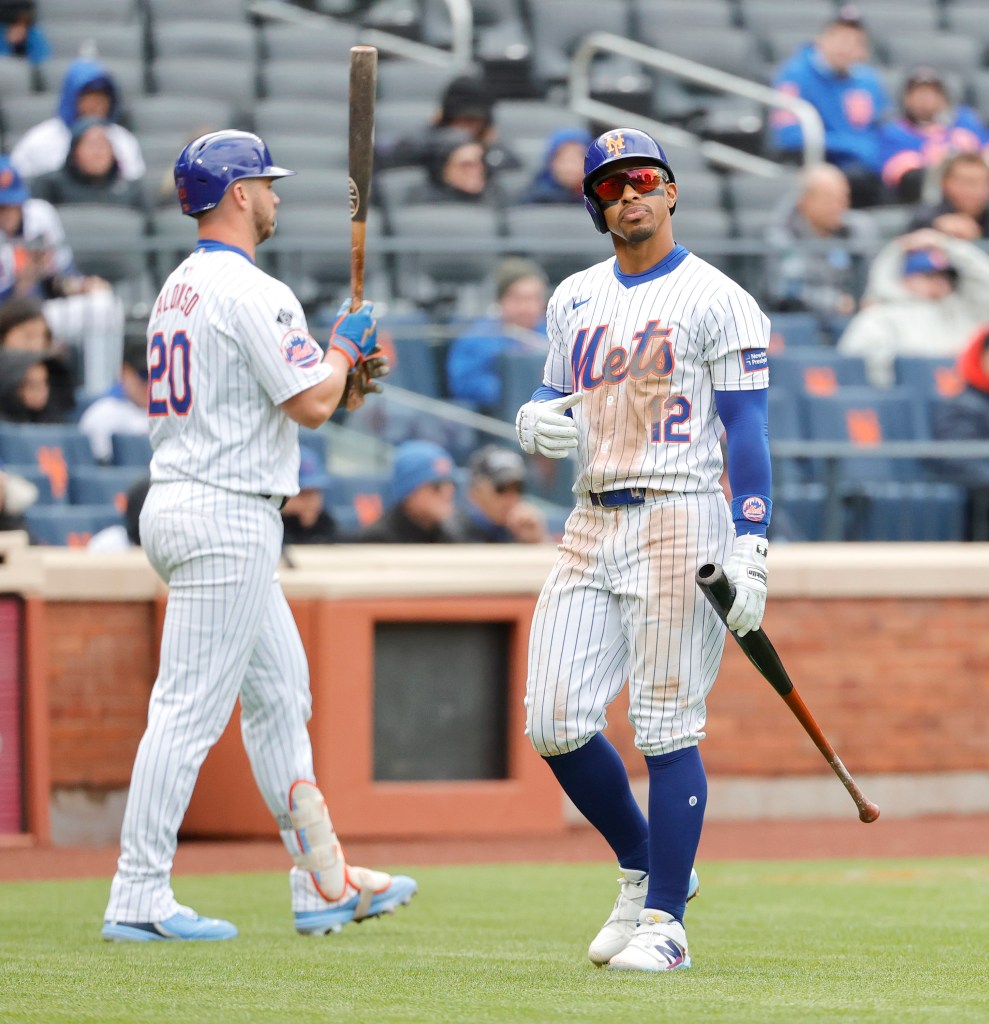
x: 754, y: 509
x: 754, y: 359
x: 300, y: 349
x: 285, y: 317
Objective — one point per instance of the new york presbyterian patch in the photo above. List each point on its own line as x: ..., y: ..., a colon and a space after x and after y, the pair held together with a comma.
x: 754, y: 359
x: 300, y: 349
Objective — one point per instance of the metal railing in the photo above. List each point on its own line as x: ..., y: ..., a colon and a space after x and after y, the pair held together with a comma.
x: 700, y: 74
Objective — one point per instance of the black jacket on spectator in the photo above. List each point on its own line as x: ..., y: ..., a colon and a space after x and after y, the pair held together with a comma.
x: 395, y: 527
x: 323, y: 531
x: 13, y: 368
x: 966, y: 416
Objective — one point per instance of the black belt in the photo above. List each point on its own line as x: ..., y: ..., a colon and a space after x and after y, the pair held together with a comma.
x: 275, y: 499
x: 617, y: 499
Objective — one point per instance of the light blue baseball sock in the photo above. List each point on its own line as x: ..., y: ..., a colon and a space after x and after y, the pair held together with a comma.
x: 595, y: 779
x: 677, y: 798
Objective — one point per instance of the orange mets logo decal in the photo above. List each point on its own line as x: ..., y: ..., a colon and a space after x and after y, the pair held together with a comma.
x: 615, y: 144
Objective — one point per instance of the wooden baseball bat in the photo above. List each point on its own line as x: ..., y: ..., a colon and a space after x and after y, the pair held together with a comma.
x: 756, y: 646
x: 363, y: 81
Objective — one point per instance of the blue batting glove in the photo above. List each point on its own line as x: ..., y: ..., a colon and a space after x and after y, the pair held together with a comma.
x: 355, y: 334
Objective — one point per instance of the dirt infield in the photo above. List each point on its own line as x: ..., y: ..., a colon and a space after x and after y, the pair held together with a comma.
x: 903, y: 837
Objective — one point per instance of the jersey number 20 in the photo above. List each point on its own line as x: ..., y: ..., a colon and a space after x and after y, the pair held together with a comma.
x: 169, y: 383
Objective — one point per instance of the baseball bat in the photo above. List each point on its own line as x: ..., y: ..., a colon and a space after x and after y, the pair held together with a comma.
x: 756, y: 646
x: 363, y: 81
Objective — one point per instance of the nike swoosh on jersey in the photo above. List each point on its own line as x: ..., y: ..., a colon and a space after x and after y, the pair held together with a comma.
x: 581, y: 303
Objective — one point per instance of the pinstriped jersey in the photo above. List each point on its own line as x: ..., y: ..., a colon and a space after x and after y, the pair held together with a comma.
x: 227, y: 344
x: 648, y: 352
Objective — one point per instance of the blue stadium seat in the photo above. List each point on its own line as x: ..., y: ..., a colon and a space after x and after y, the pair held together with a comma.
x: 316, y: 442
x: 799, y: 512
x: 363, y: 494
x: 906, y: 512
x: 54, y: 449
x: 103, y: 485
x: 131, y: 450
x: 794, y: 330
x: 815, y: 371
x: 521, y: 374
x: 69, y: 525
x: 40, y: 480
x: 785, y: 425
x: 415, y: 359
x: 930, y: 380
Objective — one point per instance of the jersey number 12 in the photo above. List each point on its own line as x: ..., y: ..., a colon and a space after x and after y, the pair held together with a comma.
x: 169, y: 383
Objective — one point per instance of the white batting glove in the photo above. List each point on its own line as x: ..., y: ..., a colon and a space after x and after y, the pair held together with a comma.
x: 543, y: 428
x: 746, y: 568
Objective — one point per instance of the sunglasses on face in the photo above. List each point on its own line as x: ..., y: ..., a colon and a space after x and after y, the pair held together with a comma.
x: 643, y: 179
x: 508, y: 488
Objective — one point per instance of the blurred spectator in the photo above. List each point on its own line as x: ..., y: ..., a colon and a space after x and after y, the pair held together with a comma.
x: 36, y: 261
x: 811, y: 266
x: 494, y: 511
x: 17, y: 495
x: 127, y: 536
x: 124, y: 408
x: 34, y: 388
x: 965, y: 417
x: 964, y: 208
x: 456, y: 170
x: 20, y: 36
x: 467, y: 104
x: 421, y: 499
x: 91, y: 173
x: 926, y: 294
x: 88, y: 90
x: 473, y: 374
x: 928, y: 131
x: 832, y: 75
x: 305, y: 519
x: 561, y: 177
x: 23, y: 326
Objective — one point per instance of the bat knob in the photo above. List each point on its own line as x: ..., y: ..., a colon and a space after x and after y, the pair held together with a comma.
x: 868, y: 812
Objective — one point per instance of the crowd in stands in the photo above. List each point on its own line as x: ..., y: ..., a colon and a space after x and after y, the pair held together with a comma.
x: 875, y: 256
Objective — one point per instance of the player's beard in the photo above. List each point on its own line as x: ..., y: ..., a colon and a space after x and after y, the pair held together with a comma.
x: 265, y: 222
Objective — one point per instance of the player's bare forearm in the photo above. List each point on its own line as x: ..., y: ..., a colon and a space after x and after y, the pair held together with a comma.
x: 314, y: 406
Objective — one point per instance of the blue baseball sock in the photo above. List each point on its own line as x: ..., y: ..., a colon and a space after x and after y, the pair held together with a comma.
x: 595, y: 779
x: 677, y: 798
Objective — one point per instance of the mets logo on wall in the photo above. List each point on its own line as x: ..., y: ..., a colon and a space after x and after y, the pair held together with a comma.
x: 300, y: 349
x: 615, y: 144
x: 754, y: 509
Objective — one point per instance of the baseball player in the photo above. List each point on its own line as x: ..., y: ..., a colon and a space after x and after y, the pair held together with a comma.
x: 650, y: 353
x: 232, y: 371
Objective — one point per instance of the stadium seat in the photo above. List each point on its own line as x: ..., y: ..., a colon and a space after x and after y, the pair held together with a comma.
x: 930, y: 380
x: 118, y: 233
x: 794, y: 330
x: 410, y: 80
x: 23, y: 112
x: 54, y: 449
x: 968, y: 17
x: 128, y: 74
x: 103, y: 485
x: 799, y: 511
x: 941, y: 49
x: 101, y: 12
x: 734, y: 50
x: 905, y: 512
x: 756, y: 193
x: 223, y: 11
x: 816, y: 371
x: 308, y: 152
x: 193, y: 77
x: 300, y: 116
x: 308, y: 43
x: 365, y: 493
x: 131, y: 450
x: 533, y: 119
x: 40, y: 480
x: 415, y: 358
x: 161, y: 115
x: 866, y: 417
x: 654, y: 21
x: 521, y: 374
x: 559, y: 25
x: 807, y: 17
x: 316, y: 441
x: 210, y: 40
x: 396, y: 118
x: 71, y: 39
x: 15, y: 78
x: 68, y: 525
x: 290, y: 79
x: 785, y: 424
x: 558, y: 237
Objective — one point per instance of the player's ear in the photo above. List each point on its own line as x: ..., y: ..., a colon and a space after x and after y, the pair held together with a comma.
x: 671, y: 194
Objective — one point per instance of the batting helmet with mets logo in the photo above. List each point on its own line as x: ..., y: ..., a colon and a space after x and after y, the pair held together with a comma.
x: 625, y: 146
x: 209, y: 165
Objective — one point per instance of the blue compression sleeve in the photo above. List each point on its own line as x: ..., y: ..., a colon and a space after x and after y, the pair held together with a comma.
x: 544, y: 393
x: 745, y: 415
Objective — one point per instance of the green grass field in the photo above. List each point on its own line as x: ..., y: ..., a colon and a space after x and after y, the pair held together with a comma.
x: 795, y: 942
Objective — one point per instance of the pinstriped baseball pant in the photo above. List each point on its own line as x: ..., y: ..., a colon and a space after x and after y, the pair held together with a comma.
x: 621, y: 604
x: 228, y: 633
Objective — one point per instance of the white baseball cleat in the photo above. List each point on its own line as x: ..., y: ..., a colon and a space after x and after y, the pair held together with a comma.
x: 620, y: 926
x: 659, y: 944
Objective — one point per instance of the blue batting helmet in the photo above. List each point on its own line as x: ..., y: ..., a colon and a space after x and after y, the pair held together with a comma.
x: 620, y: 144
x: 209, y: 165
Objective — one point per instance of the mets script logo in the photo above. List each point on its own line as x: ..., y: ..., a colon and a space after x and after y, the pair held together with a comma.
x: 754, y: 509
x: 651, y: 357
x: 300, y: 349
x: 615, y: 144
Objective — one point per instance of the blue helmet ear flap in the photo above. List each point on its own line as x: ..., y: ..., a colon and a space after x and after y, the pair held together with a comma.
x: 597, y: 215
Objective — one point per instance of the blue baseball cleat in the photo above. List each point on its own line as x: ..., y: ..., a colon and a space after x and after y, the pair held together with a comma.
x: 184, y: 926
x: 367, y: 894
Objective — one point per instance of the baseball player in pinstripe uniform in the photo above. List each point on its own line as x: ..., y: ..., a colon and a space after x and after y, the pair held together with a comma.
x: 651, y: 352
x: 232, y: 371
